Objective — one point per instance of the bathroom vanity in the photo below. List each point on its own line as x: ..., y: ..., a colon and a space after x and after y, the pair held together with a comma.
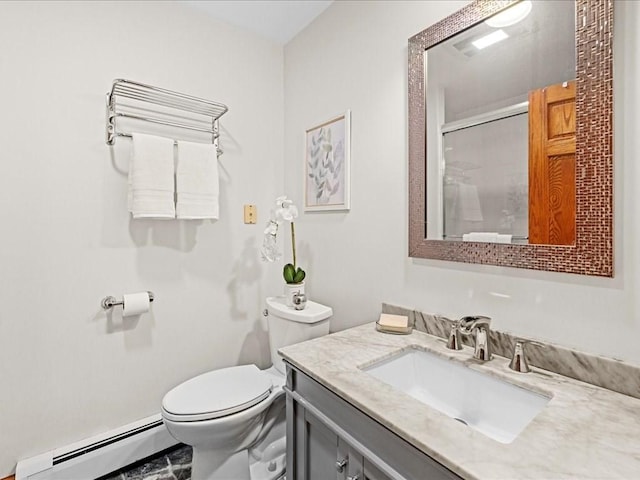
x: 344, y: 422
x: 330, y: 438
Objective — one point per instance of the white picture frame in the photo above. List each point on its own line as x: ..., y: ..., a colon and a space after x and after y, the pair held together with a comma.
x: 327, y: 165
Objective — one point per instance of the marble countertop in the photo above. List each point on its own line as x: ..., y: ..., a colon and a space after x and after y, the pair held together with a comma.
x: 584, y: 432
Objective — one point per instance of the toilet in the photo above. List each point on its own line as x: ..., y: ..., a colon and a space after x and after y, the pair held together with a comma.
x: 234, y: 418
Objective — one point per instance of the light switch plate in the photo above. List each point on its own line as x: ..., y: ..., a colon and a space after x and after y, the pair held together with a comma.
x: 250, y: 214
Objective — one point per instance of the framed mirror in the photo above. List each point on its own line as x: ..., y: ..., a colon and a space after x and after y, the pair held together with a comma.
x: 510, y: 136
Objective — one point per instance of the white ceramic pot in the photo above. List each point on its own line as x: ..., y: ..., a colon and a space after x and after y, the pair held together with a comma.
x: 291, y: 289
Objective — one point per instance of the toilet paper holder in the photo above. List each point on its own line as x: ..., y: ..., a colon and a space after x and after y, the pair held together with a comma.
x: 110, y: 302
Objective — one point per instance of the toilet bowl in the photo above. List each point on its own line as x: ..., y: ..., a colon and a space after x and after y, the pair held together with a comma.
x: 234, y: 418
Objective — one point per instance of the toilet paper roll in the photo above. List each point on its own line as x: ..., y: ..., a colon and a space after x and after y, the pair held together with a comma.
x: 135, y: 304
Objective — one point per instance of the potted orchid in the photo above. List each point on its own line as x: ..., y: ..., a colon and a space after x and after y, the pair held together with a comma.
x: 284, y: 211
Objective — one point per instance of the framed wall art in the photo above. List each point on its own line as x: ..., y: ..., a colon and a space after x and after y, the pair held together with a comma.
x: 327, y: 165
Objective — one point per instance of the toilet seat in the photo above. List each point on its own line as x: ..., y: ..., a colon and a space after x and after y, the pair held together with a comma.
x: 216, y: 394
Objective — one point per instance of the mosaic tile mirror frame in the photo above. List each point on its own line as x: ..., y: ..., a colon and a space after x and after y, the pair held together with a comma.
x: 592, y: 251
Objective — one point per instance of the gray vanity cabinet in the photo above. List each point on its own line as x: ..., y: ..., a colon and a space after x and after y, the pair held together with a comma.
x: 329, y: 456
x: 362, y: 468
x: 328, y: 438
x: 322, y: 446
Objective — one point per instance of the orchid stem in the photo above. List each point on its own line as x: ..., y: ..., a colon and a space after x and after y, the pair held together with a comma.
x: 293, y: 244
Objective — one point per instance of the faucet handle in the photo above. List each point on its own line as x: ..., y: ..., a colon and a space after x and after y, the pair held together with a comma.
x: 475, y: 318
x: 519, y: 360
x: 454, y: 342
x: 468, y: 323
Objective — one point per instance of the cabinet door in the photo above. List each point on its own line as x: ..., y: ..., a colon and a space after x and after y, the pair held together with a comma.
x: 321, y: 451
x: 359, y: 467
x: 328, y: 456
x: 354, y: 468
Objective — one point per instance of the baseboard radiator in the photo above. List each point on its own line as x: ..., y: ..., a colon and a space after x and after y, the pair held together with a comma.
x: 99, y: 455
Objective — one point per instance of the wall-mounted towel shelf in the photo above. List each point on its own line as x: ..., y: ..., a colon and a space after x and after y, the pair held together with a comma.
x: 129, y: 99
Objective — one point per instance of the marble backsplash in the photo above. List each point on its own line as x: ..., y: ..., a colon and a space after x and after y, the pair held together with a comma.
x: 597, y: 370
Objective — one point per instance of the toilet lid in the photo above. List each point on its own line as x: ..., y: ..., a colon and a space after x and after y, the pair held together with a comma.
x: 217, y: 393
x: 312, y: 313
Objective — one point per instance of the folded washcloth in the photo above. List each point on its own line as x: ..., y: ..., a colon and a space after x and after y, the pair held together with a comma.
x: 504, y: 238
x: 151, y: 180
x: 197, y: 185
x: 480, y: 237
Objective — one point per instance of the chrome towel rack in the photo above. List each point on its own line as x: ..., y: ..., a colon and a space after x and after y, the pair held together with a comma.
x: 129, y: 99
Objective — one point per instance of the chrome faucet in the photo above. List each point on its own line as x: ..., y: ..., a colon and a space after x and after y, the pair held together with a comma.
x: 454, y: 342
x: 519, y: 361
x: 478, y: 327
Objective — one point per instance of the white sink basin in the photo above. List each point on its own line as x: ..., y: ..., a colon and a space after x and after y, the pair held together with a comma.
x: 498, y: 409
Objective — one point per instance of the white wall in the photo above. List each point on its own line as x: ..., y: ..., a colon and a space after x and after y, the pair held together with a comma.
x: 355, y: 56
x: 66, y: 370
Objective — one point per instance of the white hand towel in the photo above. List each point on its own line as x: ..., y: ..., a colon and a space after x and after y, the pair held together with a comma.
x: 151, y: 181
x: 197, y: 184
x: 469, y: 203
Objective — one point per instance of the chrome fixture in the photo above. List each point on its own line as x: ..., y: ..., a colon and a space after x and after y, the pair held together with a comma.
x: 341, y: 464
x: 299, y: 301
x: 519, y: 361
x: 478, y: 327
x: 110, y: 302
x: 131, y: 100
x: 455, y: 341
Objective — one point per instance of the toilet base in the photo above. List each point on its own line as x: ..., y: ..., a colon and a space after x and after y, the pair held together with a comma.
x: 268, y: 459
x: 260, y: 470
x: 213, y: 464
x: 263, y: 460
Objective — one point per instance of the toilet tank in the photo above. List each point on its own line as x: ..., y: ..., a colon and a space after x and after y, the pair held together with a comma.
x: 288, y: 326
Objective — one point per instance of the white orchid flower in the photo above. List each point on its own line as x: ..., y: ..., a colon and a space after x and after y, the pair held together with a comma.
x: 272, y: 228
x: 286, y: 211
x: 269, y: 249
x: 283, y: 201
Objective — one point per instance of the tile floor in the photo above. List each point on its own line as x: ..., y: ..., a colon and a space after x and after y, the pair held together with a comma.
x: 172, y: 464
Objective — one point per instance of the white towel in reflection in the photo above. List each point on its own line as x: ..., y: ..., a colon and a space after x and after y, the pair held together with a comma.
x: 151, y: 177
x: 197, y: 185
x: 480, y: 237
x: 469, y: 203
x: 504, y: 238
